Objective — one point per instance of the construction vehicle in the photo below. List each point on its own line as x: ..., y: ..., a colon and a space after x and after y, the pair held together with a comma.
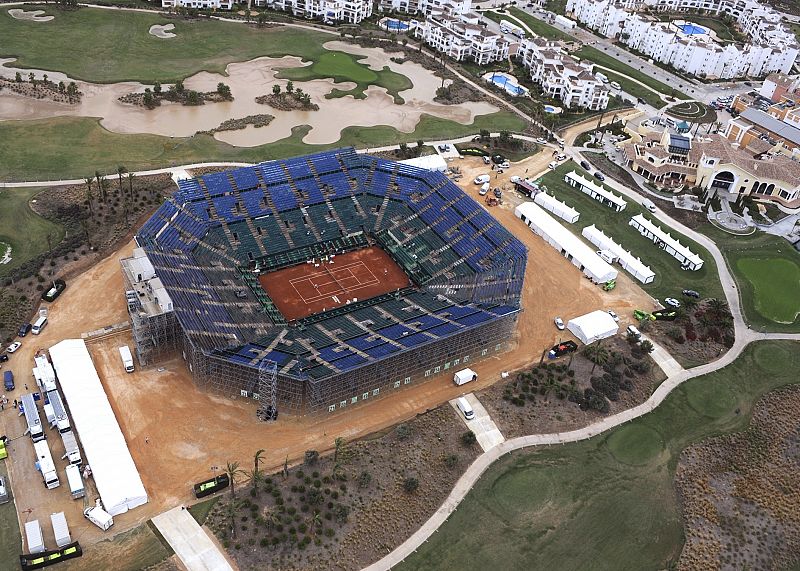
x: 609, y: 285
x: 492, y: 200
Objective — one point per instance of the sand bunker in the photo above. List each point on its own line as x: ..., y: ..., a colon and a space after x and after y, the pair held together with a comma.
x: 162, y: 30
x: 31, y: 16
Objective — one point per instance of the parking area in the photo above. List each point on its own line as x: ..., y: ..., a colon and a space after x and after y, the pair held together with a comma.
x: 482, y: 425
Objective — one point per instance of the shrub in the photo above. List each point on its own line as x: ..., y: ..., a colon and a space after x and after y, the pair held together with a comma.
x: 311, y: 457
x: 403, y: 431
x: 450, y: 461
x: 364, y: 479
x: 468, y: 438
x: 410, y: 484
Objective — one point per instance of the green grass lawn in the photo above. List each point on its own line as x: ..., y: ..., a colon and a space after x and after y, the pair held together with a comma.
x: 636, y: 90
x: 607, y: 503
x: 25, y: 230
x: 535, y: 25
x: 10, y: 537
x: 670, y: 279
x: 71, y: 147
x: 763, y: 286
x: 122, y: 49
x: 601, y: 58
x: 343, y: 67
x: 200, y: 510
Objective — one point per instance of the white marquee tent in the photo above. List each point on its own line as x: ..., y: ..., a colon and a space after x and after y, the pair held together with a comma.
x: 599, y: 193
x: 593, y: 326
x: 667, y: 242
x: 633, y: 265
x: 434, y: 163
x: 572, y: 247
x: 560, y: 209
x: 107, y: 453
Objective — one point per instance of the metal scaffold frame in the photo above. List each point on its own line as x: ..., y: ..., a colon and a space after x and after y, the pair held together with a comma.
x: 267, y: 390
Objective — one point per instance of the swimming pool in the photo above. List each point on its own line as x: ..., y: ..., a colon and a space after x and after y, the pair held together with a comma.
x: 393, y: 25
x: 692, y: 29
x: 551, y: 109
x: 507, y: 82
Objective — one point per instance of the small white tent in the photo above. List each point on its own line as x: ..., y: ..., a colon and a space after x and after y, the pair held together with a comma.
x: 560, y: 209
x: 593, y: 326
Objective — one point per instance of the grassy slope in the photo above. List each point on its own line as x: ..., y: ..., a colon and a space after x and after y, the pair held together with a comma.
x: 670, y: 279
x: 15, y: 214
x: 598, y: 57
x: 606, y: 503
x: 69, y: 147
x: 759, y: 246
x: 345, y: 67
x: 539, y: 27
x: 122, y: 49
x: 10, y: 537
x: 636, y: 89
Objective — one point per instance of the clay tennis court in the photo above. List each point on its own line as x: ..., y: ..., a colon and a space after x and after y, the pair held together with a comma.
x: 310, y: 288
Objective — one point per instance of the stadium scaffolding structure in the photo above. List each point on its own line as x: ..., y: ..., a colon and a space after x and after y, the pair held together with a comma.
x: 193, y: 283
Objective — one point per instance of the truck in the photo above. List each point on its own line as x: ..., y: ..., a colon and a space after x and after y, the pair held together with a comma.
x: 8, y: 380
x: 508, y: 28
x: 44, y: 463
x: 62, y: 420
x: 464, y: 376
x: 60, y: 529
x: 72, y: 452
x: 76, y: 488
x: 33, y: 534
x: 44, y: 373
x: 28, y: 406
x: 98, y: 516
x: 127, y: 358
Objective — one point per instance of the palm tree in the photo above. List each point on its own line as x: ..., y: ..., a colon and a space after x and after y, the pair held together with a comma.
x: 100, y: 186
x: 231, y: 508
x: 338, y: 445
x: 337, y: 473
x: 121, y: 170
x: 130, y: 185
x: 314, y: 523
x: 89, y: 193
x: 271, y: 517
x: 233, y: 471
x: 258, y: 457
x: 718, y: 307
x: 597, y: 354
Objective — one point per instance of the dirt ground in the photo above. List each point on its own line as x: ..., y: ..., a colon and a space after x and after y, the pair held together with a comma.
x: 305, y: 289
x: 179, y: 435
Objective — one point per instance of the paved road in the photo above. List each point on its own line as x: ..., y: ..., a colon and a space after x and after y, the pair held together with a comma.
x: 190, y: 542
x: 486, y: 431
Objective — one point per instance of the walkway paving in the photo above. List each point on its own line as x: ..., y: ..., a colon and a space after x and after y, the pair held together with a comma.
x: 482, y: 425
x: 190, y: 542
x: 663, y: 359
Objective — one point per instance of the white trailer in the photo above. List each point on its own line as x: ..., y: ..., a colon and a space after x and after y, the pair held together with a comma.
x: 464, y: 376
x: 127, y: 358
x: 44, y: 374
x: 62, y: 420
x: 60, y: 529
x: 45, y: 465
x: 31, y: 413
x: 508, y: 28
x: 72, y: 452
x: 75, y: 482
x: 33, y: 534
x: 49, y: 414
x: 99, y: 517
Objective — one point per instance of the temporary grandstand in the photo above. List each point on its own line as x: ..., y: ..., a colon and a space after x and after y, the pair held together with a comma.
x: 224, y: 239
x: 570, y: 246
x: 630, y: 263
x: 664, y: 240
x: 600, y: 194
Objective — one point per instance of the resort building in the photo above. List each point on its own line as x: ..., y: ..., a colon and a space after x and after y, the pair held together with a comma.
x: 329, y: 11
x: 756, y: 168
x: 461, y: 38
x: 561, y: 76
x: 426, y: 7
x: 198, y: 4
x: 753, y: 124
x: 691, y: 48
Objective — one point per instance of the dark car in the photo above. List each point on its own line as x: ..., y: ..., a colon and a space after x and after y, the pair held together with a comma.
x: 691, y: 293
x: 8, y: 380
x: 498, y: 193
x: 599, y: 176
x: 3, y: 357
x: 498, y: 159
x: 24, y: 329
x: 586, y: 165
x: 51, y: 294
x: 562, y: 349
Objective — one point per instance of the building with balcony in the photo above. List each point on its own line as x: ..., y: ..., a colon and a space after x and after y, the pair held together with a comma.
x: 460, y: 37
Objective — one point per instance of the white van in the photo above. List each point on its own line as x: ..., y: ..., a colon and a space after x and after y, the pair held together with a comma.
x: 482, y: 179
x: 486, y: 160
x: 465, y: 408
x: 633, y: 331
x: 647, y: 203
x: 615, y: 85
x: 464, y: 376
x: 601, y: 77
x: 39, y: 325
x: 76, y: 487
x: 484, y: 189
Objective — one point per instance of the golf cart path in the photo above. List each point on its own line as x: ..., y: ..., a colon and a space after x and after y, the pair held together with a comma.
x: 486, y: 431
x: 190, y: 542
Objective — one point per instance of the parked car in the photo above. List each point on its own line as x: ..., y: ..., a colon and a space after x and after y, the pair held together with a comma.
x: 562, y: 349
x: 482, y: 179
x: 498, y: 159
x: 3, y: 358
x: 8, y: 380
x: 541, y: 140
x: 672, y: 302
x: 613, y: 315
x: 14, y: 346
x: 505, y: 165
x: 561, y: 157
x: 498, y: 193
x: 559, y: 323
x: 3, y: 491
x: 691, y: 293
x: 443, y: 148
x: 615, y: 85
x: 52, y: 293
x: 476, y: 138
x: 486, y: 160
x: 599, y: 176
x: 586, y: 165
x: 24, y: 329
x: 515, y: 179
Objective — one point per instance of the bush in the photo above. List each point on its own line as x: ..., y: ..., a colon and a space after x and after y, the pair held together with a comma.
x: 451, y: 461
x: 311, y: 457
x: 364, y: 479
x: 410, y: 484
x: 403, y: 431
x: 468, y: 438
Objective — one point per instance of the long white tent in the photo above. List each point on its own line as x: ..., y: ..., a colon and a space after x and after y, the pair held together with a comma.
x: 560, y: 209
x: 633, y: 265
x: 114, y: 472
x: 667, y: 242
x: 600, y: 194
x: 571, y: 247
x: 593, y: 326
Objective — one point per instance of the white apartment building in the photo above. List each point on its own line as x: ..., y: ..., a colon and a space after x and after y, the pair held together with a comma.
x: 460, y: 37
x: 426, y: 7
x: 198, y: 4
x: 773, y: 48
x: 329, y: 11
x: 561, y: 76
